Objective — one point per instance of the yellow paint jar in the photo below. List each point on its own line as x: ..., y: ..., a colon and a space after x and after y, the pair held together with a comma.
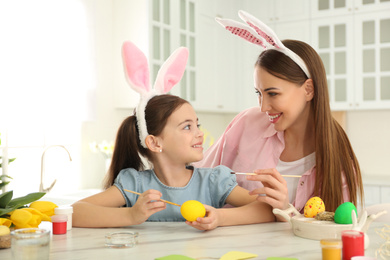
x: 331, y: 249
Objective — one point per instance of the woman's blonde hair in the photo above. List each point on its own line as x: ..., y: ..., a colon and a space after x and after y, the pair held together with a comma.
x: 334, y: 153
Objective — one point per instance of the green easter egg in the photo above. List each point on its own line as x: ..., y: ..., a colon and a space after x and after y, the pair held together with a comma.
x: 343, y: 215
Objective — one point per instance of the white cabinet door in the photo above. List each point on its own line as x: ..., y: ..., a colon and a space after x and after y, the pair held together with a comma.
x: 297, y: 30
x: 217, y: 71
x: 274, y: 11
x: 372, y: 60
x: 329, y: 8
x: 333, y: 40
x: 385, y: 194
x: 372, y: 195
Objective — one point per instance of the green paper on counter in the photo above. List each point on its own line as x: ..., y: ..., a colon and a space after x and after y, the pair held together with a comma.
x: 281, y: 258
x: 236, y: 255
x: 175, y: 257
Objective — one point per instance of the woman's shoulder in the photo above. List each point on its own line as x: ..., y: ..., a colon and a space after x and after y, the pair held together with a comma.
x: 250, y: 121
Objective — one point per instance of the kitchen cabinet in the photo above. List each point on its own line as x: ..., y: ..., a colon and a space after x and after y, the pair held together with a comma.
x: 376, y: 194
x: 355, y: 49
x: 330, y: 8
x: 376, y: 189
x: 354, y: 46
x: 275, y: 11
x: 217, y: 56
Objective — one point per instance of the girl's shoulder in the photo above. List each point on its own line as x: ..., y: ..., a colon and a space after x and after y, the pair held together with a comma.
x: 215, y: 173
x: 131, y: 173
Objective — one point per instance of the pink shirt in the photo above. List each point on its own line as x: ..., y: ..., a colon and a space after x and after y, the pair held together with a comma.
x: 251, y: 142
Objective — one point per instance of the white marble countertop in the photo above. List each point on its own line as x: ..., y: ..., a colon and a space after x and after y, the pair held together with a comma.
x: 166, y: 238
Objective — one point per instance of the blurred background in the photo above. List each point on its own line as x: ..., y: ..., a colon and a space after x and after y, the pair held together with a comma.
x: 62, y: 81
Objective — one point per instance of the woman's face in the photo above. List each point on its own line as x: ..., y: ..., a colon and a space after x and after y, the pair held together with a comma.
x: 181, y: 138
x: 286, y: 104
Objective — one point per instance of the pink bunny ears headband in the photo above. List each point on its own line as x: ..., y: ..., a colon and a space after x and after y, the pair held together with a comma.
x: 137, y: 75
x: 255, y: 28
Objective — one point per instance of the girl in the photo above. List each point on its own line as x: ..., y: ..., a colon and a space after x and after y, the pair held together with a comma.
x: 293, y: 132
x: 164, y: 130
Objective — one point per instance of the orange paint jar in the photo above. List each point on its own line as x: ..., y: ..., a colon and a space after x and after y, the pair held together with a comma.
x: 331, y: 249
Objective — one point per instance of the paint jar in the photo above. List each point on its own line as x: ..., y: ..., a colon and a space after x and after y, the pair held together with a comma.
x: 331, y: 249
x: 65, y: 210
x: 353, y: 243
x: 59, y: 224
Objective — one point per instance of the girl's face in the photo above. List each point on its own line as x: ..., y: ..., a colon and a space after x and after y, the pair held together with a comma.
x: 181, y: 138
x: 286, y: 104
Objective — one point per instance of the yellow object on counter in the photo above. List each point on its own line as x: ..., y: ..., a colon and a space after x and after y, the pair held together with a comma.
x: 45, y: 207
x: 331, y: 249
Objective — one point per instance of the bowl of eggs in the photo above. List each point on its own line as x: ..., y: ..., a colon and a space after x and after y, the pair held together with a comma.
x: 316, y: 223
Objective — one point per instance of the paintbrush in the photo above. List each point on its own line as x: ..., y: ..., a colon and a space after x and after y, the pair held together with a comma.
x: 251, y: 173
x: 134, y: 192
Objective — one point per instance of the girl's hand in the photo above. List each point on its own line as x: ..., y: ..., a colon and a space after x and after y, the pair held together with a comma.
x: 209, y: 222
x: 147, y: 204
x: 274, y: 192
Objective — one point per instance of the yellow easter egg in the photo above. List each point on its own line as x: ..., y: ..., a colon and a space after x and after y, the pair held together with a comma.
x: 314, y: 206
x: 192, y: 209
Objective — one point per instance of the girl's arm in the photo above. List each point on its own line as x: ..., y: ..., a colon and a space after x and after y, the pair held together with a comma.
x: 106, y: 209
x: 248, y: 211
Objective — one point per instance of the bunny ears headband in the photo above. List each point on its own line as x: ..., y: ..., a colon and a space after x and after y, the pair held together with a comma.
x: 137, y: 75
x: 257, y: 28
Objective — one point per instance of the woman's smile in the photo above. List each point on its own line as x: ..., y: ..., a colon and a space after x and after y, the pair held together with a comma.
x: 273, y: 118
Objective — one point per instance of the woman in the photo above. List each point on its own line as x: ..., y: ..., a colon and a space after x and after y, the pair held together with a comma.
x: 293, y: 132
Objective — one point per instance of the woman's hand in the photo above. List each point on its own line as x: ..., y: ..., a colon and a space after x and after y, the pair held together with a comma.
x: 147, y: 204
x: 209, y: 222
x: 274, y: 192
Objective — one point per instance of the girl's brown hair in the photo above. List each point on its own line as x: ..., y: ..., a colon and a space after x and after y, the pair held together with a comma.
x: 128, y: 149
x: 334, y: 153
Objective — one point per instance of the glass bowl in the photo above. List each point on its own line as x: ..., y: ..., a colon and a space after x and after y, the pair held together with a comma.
x: 123, y: 239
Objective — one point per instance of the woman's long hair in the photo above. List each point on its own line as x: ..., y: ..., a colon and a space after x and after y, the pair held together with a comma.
x: 128, y: 149
x: 334, y: 153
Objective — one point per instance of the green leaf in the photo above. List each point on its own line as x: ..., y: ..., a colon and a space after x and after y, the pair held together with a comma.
x: 5, y: 198
x: 3, y: 184
x: 21, y: 201
x: 11, y: 160
x: 7, y: 176
x: 5, y: 211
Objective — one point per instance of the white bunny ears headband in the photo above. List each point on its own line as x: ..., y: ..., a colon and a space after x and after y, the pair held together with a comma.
x: 255, y: 28
x: 137, y: 75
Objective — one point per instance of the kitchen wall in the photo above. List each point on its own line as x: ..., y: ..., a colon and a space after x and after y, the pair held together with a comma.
x: 368, y: 130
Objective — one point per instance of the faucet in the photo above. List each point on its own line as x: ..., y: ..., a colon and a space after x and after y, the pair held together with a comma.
x: 41, y: 189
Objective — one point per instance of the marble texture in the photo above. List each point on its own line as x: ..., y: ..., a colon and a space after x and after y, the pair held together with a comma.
x: 162, y: 239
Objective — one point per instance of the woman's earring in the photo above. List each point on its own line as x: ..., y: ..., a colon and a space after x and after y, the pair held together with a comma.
x: 160, y: 150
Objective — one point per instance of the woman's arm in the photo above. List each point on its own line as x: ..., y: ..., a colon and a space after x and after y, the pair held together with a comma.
x: 106, y: 209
